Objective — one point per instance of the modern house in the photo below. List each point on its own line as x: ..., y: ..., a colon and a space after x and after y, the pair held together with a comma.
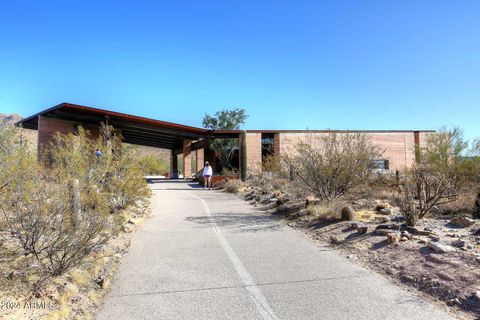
x: 398, y: 146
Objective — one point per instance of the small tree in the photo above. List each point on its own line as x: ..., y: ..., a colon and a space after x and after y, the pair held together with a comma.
x: 226, y: 119
x: 448, y: 152
x: 331, y: 165
x: 424, y: 190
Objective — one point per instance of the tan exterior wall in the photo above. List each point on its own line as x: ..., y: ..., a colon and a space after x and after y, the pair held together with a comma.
x: 187, y: 158
x: 397, y: 147
x: 200, y: 159
x: 254, y: 153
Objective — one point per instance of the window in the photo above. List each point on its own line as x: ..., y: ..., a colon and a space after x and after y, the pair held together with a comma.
x: 268, y: 150
x: 381, y: 164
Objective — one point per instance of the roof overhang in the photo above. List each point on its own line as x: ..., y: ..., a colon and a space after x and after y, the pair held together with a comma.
x: 134, y: 129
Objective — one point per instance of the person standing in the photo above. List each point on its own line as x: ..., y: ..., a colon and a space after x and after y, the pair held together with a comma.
x: 207, y: 175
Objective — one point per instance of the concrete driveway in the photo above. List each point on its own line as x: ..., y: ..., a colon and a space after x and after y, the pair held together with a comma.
x: 209, y: 255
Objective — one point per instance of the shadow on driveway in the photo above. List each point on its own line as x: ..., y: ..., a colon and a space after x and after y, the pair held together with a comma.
x: 239, y: 222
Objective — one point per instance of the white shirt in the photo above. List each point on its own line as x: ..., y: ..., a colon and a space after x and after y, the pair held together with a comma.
x: 207, y: 171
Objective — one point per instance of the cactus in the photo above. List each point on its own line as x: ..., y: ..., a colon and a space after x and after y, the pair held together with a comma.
x: 347, y: 213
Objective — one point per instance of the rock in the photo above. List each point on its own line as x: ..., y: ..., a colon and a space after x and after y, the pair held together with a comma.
x: 470, y: 246
x: 100, y: 281
x: 354, y: 225
x: 362, y: 229
x: 422, y: 241
x: 273, y: 200
x: 334, y: 240
x: 463, y: 222
x: 415, y: 231
x: 399, y: 218
x: 127, y: 228
x: 406, y: 234
x: 459, y: 243
x: 385, y: 211
x: 381, y: 206
x: 445, y: 276
x: 352, y: 257
x: 391, y: 226
x: 477, y: 258
x: 393, y: 238
x: 440, y: 247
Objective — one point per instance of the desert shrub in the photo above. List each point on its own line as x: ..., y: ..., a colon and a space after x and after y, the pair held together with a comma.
x: 332, y: 165
x: 116, y: 174
x: 59, y: 210
x: 271, y: 163
x: 232, y: 186
x: 49, y: 223
x: 126, y: 186
x: 327, y: 212
x: 151, y: 165
x: 424, y: 190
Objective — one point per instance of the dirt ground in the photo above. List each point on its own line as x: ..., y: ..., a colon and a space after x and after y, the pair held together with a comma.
x: 437, y: 259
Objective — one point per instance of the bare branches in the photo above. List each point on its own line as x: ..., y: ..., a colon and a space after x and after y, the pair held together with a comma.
x: 330, y: 166
x: 424, y: 190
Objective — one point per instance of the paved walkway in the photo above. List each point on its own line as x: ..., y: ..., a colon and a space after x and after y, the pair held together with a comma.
x: 209, y: 255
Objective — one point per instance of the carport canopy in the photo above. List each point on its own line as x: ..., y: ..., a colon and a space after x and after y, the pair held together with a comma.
x: 134, y: 129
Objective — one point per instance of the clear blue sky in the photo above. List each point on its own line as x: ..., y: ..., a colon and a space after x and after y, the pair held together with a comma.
x: 292, y: 64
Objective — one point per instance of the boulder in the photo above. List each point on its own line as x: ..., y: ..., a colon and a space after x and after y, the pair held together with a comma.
x: 463, y: 222
x: 385, y: 211
x: 393, y: 238
x: 362, y: 228
x: 459, y: 243
x: 406, y: 234
x: 440, y: 247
